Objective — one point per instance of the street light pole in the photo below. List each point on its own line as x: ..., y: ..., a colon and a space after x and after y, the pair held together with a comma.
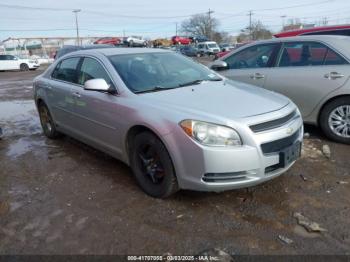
x: 76, y: 11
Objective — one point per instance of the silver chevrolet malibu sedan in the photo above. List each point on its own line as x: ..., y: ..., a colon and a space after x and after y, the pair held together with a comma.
x: 176, y: 123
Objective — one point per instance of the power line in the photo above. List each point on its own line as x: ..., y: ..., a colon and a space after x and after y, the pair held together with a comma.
x: 295, y: 6
x: 93, y: 12
x: 34, y: 8
x: 277, y: 8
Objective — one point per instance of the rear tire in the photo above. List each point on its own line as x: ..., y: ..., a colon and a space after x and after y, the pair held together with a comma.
x: 152, y: 166
x: 47, y: 123
x: 335, y: 120
x: 24, y: 67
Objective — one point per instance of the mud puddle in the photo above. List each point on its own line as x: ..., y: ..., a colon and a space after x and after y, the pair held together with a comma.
x: 19, y: 118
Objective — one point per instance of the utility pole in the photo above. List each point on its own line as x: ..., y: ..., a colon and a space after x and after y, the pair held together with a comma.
x: 176, y: 29
x: 250, y: 14
x: 210, y: 24
x: 283, y: 17
x: 325, y: 21
x: 76, y: 11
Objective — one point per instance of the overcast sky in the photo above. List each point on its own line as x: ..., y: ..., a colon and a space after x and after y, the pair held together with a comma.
x: 155, y: 18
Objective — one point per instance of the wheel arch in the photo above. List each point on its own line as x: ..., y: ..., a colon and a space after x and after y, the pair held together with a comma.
x: 327, y: 102
x: 138, y: 129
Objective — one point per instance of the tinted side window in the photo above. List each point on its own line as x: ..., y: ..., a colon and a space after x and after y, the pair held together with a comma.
x: 308, y: 54
x: 10, y: 57
x: 2, y: 57
x: 66, y: 70
x: 92, y: 69
x: 252, y: 57
x: 333, y: 58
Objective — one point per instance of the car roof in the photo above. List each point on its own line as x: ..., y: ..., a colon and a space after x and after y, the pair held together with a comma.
x: 312, y: 29
x: 122, y: 51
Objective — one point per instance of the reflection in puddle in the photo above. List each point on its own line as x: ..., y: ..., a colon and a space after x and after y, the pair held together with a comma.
x: 19, y: 118
x: 23, y: 146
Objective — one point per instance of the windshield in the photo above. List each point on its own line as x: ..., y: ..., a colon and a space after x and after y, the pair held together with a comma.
x: 159, y: 71
x: 212, y: 45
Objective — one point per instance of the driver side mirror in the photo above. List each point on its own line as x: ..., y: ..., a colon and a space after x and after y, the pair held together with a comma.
x: 99, y: 84
x: 219, y: 65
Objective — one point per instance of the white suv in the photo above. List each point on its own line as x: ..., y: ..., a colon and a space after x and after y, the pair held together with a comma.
x: 135, y: 41
x: 11, y: 62
x: 208, y: 48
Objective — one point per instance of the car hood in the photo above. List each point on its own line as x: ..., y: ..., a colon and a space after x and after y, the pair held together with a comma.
x: 226, y: 98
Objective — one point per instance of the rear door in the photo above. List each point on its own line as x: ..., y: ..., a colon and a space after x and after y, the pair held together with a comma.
x: 2, y: 62
x: 59, y: 90
x: 252, y: 64
x: 11, y: 62
x: 306, y: 72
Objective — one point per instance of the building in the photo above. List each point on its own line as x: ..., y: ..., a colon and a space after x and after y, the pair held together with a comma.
x: 297, y: 26
x: 40, y: 46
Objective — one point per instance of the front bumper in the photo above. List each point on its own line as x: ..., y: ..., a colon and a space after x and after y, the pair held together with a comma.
x: 197, y: 166
x: 34, y: 66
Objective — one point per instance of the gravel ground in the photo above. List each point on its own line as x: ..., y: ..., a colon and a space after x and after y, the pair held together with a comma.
x: 63, y: 197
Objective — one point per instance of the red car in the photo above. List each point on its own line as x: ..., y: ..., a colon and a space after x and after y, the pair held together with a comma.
x: 108, y: 41
x: 223, y: 53
x: 321, y: 30
x: 180, y: 40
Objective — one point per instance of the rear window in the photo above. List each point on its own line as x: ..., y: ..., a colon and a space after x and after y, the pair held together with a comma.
x: 66, y: 70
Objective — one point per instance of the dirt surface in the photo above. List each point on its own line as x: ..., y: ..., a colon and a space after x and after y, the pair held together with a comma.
x: 63, y: 197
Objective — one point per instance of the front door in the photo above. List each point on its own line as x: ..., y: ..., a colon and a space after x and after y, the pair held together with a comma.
x: 97, y: 112
x: 252, y: 64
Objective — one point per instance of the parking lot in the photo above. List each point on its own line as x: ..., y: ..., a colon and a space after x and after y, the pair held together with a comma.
x: 63, y: 197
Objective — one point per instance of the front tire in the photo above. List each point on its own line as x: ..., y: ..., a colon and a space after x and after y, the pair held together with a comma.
x: 335, y: 120
x: 152, y: 166
x: 24, y: 67
x: 47, y: 123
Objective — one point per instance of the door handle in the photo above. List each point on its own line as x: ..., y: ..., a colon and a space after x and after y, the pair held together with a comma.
x: 333, y: 75
x: 257, y: 76
x: 47, y: 86
x: 76, y: 94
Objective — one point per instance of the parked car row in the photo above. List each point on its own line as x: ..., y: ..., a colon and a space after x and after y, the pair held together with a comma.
x: 188, y: 127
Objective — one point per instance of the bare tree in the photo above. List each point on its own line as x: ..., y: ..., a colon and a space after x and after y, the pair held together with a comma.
x: 258, y: 31
x: 200, y: 24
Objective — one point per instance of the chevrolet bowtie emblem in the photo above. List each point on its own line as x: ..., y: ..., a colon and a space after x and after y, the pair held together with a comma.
x: 289, y: 130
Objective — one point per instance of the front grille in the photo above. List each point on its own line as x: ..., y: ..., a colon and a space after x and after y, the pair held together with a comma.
x: 272, y: 168
x: 224, y: 177
x: 274, y: 123
x: 279, y: 145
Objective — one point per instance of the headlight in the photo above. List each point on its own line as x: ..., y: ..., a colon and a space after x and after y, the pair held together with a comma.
x: 211, y: 134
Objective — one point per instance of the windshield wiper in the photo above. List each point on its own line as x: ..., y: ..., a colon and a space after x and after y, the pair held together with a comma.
x: 153, y: 89
x: 215, y: 79
x: 195, y: 82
